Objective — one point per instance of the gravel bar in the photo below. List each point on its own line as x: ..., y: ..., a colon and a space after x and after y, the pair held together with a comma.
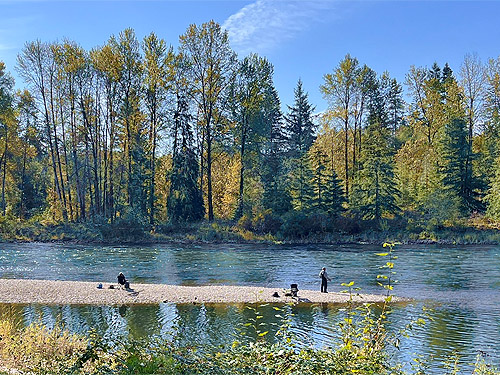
x: 50, y: 292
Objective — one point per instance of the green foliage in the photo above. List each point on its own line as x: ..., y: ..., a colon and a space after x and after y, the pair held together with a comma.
x: 374, y: 193
x: 297, y: 224
x: 130, y: 225
x: 457, y: 176
x: 250, y: 103
x: 493, y: 196
x: 300, y: 187
x: 91, y: 150
x: 267, y: 222
x: 327, y: 192
x: 185, y: 201
x: 300, y: 127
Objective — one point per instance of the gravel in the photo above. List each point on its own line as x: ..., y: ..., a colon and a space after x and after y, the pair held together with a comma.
x: 52, y: 292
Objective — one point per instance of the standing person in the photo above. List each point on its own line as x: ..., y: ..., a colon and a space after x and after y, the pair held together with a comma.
x: 324, y: 280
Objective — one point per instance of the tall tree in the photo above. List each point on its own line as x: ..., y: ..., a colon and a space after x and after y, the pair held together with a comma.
x: 32, y: 181
x: 339, y: 90
x: 300, y: 131
x: 6, y: 122
x: 212, y: 67
x: 327, y: 192
x: 375, y: 192
x: 185, y: 199
x: 248, y: 96
x: 276, y: 196
x: 300, y: 124
x: 36, y: 65
x: 131, y: 118
x: 457, y: 177
x: 156, y: 82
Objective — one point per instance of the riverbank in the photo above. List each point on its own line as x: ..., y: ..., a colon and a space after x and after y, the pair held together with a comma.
x: 51, y: 292
x: 474, y: 233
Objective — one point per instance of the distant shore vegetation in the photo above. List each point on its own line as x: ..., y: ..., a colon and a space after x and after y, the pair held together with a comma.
x: 136, y: 140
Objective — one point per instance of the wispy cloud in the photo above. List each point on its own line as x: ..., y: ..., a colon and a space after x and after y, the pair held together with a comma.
x: 264, y: 24
x: 4, y: 47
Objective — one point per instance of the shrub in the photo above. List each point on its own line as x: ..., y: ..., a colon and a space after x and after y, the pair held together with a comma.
x: 245, y: 222
x: 129, y: 225
x: 296, y: 224
x: 37, y: 349
x: 267, y: 222
x: 348, y: 224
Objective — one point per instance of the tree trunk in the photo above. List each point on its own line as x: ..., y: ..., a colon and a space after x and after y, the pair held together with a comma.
x: 4, y: 173
x: 209, y: 176
x: 346, y: 159
x: 65, y: 155
x: 239, y: 210
x: 57, y: 154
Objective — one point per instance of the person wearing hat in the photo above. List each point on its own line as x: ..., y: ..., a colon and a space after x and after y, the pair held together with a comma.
x: 122, y: 281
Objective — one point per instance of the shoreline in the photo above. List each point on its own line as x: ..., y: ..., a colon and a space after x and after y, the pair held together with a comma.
x: 176, y: 241
x: 56, y: 292
x: 226, y: 232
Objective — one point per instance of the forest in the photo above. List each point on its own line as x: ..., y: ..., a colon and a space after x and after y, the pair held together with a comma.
x: 143, y: 134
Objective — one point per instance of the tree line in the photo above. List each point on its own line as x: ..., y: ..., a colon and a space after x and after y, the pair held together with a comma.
x: 140, y: 129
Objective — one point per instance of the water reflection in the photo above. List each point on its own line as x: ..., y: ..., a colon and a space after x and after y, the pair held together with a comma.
x: 461, y: 284
x: 450, y: 329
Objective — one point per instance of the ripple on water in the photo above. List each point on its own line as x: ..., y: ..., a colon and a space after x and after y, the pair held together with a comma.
x: 461, y: 285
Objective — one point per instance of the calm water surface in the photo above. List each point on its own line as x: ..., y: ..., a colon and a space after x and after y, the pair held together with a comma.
x: 460, y: 284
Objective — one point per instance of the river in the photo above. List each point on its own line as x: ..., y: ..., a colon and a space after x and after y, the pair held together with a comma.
x: 461, y: 286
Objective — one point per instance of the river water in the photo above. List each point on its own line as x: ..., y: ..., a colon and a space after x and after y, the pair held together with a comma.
x: 461, y: 286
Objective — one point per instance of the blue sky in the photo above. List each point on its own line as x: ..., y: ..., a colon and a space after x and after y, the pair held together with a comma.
x: 303, y: 39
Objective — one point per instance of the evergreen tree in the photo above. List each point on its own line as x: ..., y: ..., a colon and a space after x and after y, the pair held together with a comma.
x: 493, y: 196
x: 300, y: 126
x: 185, y: 199
x: 395, y: 104
x: 457, y: 178
x: 300, y: 188
x: 300, y: 133
x: 374, y: 193
x: 327, y: 192
x: 447, y: 74
x: 276, y: 195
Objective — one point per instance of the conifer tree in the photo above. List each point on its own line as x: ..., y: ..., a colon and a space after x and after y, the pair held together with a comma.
x: 457, y: 178
x: 276, y: 195
x: 300, y: 125
x: 492, y: 198
x: 185, y: 200
x: 300, y: 185
x: 300, y: 133
x: 327, y: 192
x: 374, y: 193
x: 394, y: 102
